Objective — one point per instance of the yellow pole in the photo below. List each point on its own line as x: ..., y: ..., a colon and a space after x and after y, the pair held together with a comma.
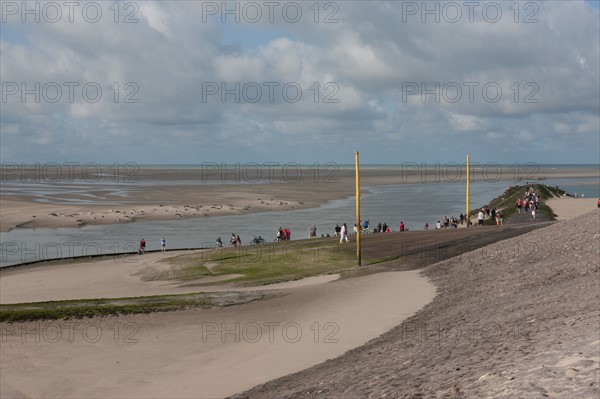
x: 357, y: 210
x: 468, y: 192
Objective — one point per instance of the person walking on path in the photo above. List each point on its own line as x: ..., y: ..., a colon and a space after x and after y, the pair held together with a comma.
x: 163, y: 244
x: 142, y: 249
x: 344, y: 233
x: 480, y: 217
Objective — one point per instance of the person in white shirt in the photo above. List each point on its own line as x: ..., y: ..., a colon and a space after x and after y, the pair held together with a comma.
x: 344, y: 233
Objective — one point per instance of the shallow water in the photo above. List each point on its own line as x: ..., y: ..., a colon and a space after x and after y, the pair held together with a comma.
x: 414, y: 204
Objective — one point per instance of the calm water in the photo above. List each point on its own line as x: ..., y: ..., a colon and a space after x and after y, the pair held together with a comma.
x: 414, y: 204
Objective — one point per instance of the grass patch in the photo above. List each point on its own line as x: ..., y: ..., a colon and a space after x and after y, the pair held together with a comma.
x: 273, y: 262
x: 77, y: 309
x: 255, y: 265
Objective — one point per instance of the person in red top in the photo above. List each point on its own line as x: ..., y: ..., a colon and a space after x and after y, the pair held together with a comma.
x: 401, y: 226
x: 519, y: 204
x: 598, y: 202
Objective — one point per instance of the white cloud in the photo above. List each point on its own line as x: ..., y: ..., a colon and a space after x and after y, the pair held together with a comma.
x: 152, y: 12
x: 465, y: 123
x: 370, y: 55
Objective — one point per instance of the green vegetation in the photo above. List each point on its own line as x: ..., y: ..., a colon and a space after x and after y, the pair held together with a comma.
x: 247, y: 265
x: 104, y: 307
x: 267, y: 263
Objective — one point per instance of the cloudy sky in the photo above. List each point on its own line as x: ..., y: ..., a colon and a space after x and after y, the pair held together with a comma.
x: 193, y: 82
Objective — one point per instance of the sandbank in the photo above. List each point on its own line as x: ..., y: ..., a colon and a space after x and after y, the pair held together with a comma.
x: 171, y: 194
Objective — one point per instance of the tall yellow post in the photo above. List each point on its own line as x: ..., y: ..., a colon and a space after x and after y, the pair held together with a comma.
x: 357, y: 210
x: 467, y: 215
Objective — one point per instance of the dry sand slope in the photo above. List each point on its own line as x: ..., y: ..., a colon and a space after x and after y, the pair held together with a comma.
x: 568, y: 208
x: 204, y: 353
x: 520, y: 319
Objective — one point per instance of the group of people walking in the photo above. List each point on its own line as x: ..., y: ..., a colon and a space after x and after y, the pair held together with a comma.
x: 485, y: 212
x: 142, y: 247
x: 284, y: 234
x: 530, y: 201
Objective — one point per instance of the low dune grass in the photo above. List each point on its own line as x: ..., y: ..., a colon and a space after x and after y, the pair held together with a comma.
x: 247, y: 265
x: 76, y: 309
x: 266, y: 263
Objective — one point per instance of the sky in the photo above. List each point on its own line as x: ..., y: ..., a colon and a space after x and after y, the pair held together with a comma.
x: 191, y: 82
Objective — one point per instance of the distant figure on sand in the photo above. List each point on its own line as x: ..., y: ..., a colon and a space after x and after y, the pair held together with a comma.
x: 163, y: 244
x: 338, y: 230
x: 401, y: 226
x: 426, y: 227
x: 142, y: 248
x: 343, y: 233
x: 219, y: 243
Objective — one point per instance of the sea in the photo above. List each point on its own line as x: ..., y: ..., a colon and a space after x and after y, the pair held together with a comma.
x: 413, y: 204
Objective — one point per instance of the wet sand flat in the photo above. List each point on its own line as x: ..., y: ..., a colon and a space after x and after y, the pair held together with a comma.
x: 171, y: 194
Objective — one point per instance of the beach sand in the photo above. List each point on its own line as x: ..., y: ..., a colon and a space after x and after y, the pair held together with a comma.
x: 205, y: 353
x: 117, y: 277
x: 569, y: 207
x: 181, y: 354
x: 171, y: 194
x: 516, y: 319
x: 519, y: 318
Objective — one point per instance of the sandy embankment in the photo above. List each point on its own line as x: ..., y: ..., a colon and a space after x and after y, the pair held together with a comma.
x: 568, y: 207
x: 205, y: 353
x: 116, y: 277
x: 516, y: 319
x: 174, y: 358
x: 172, y: 194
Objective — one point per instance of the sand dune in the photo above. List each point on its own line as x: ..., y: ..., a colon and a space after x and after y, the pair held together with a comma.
x: 516, y: 319
x: 205, y: 353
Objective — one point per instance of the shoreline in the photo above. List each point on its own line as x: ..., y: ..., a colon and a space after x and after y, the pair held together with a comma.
x: 563, y: 207
x: 148, y: 202
x: 186, y: 363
